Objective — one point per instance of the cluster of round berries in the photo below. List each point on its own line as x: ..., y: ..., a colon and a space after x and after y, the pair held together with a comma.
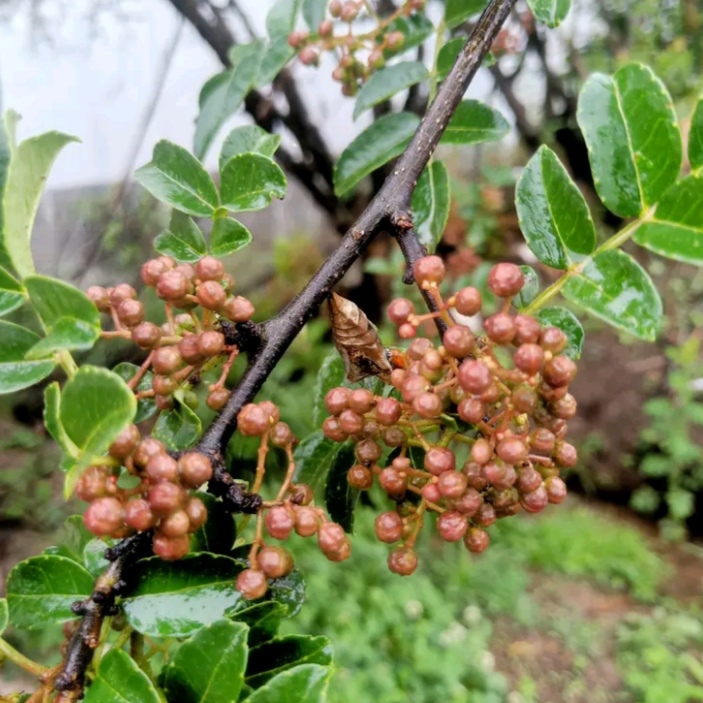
x: 291, y: 511
x: 161, y: 501
x: 360, y: 55
x: 186, y: 341
x: 488, y: 410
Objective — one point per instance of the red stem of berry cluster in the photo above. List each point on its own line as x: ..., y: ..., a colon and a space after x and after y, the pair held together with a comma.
x: 389, y: 212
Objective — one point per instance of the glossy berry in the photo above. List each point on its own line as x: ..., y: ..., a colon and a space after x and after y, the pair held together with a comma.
x: 252, y: 584
x: 452, y: 484
x: 400, y: 310
x: 565, y: 455
x: 556, y: 489
x: 147, y: 448
x: 476, y: 540
x: 542, y: 440
x: 279, y: 521
x: 402, y: 561
x: 165, y: 497
x: 393, y: 482
x: 471, y: 410
x: 388, y: 411
x: 194, y: 469
x: 337, y: 399
x: 275, y: 562
x: 535, y: 501
x: 210, y: 269
x: 468, y: 503
x: 171, y: 548
x: 389, y: 527
x: 474, y: 376
x: 361, y: 400
x: 125, y: 443
x: 458, y: 341
x: 527, y: 329
x: 429, y: 270
x: 253, y: 421
x: 121, y: 292
x: 211, y: 295
x: 166, y: 360
x: 100, y: 297
x: 138, y: 515
x: 189, y: 349
x: 505, y: 280
x: 211, y: 343
x: 162, y: 467
x: 172, y: 285
x: 427, y: 405
x: 512, y: 451
x: 367, y: 451
x: 360, y: 477
x: 103, y: 516
x: 452, y: 525
x: 351, y: 422
x: 92, y: 484
x: 529, y: 358
x: 217, y: 398
x: 559, y: 371
x: 468, y: 301
x: 175, y: 525
x: 197, y: 513
x: 238, y: 309
x: 439, y: 459
x: 307, y: 521
x: 500, y: 328
x: 553, y: 339
x: 281, y: 435
x: 331, y: 537
x: 146, y: 335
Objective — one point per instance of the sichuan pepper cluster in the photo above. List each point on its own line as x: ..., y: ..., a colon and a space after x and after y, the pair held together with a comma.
x: 499, y: 400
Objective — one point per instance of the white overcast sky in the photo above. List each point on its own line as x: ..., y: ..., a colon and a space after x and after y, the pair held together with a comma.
x: 98, y: 88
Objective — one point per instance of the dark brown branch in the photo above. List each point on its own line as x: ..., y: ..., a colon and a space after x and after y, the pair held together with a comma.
x: 388, y: 211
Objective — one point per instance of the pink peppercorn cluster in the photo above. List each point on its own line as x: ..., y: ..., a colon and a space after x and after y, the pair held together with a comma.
x: 487, y: 413
x: 359, y: 55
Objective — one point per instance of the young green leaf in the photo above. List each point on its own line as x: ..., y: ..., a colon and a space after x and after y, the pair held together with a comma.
x: 633, y: 138
x: 73, y: 538
x: 29, y: 168
x: 52, y: 419
x: 384, y: 84
x: 263, y: 619
x: 553, y: 215
x: 222, y: 96
x: 475, y: 122
x: 228, y: 236
x: 248, y: 138
x: 313, y: 458
x: 569, y: 324
x: 4, y: 615
x: 330, y: 375
x: 120, y: 680
x: 94, y: 555
x: 307, y: 682
x: 340, y: 497
x: 12, y: 293
x: 146, y: 407
x: 376, y: 145
x: 283, y: 653
x: 183, y: 239
x: 677, y: 228
x: 278, y: 54
x: 447, y: 55
x: 314, y: 12
x: 176, y: 599
x: 614, y: 287
x: 530, y: 288
x: 695, y: 137
x: 177, y: 178
x: 209, y: 667
x: 178, y: 428
x: 280, y: 22
x: 250, y: 182
x: 15, y: 372
x: 550, y: 12
x: 41, y: 590
x: 96, y: 405
x: 457, y: 11
x: 430, y: 204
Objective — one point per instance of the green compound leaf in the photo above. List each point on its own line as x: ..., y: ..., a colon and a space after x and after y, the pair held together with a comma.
x: 475, y: 122
x: 384, y: 84
x: 340, y: 497
x: 280, y: 22
x: 29, y: 168
x: 633, y: 138
x: 146, y: 407
x: 331, y: 375
x: 289, y: 591
x: 569, y: 324
x: 614, y: 287
x: 183, y: 239
x: 554, y: 217
x: 178, y: 179
x: 4, y: 615
x: 120, y: 680
x: 41, y: 590
x: 262, y: 618
x: 178, y: 428
x: 376, y: 145
x: 430, y: 204
x: 250, y: 181
x: 283, y: 653
x: 314, y: 12
x: 307, y: 682
x: 12, y: 293
x: 458, y: 11
x: 176, y: 599
x: 313, y: 459
x: 15, y: 372
x: 677, y: 228
x: 52, y: 419
x: 223, y: 95
x: 695, y: 137
x: 550, y: 12
x: 228, y: 236
x: 209, y: 667
x: 248, y: 138
x: 71, y: 320
x: 96, y: 405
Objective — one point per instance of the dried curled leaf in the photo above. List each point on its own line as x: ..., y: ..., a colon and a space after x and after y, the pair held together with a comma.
x: 356, y: 340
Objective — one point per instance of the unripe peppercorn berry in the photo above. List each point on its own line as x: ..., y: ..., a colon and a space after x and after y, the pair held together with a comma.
x: 349, y: 11
x: 360, y: 477
x: 412, y: 387
x: 146, y: 335
x: 481, y: 451
x: 388, y: 411
x: 253, y: 420
x: 452, y: 484
x: 189, y: 349
x: 393, y: 482
x: 458, y: 341
x: 138, y: 515
x: 535, y: 501
x: 468, y: 503
x: 468, y: 301
x: 565, y: 455
x: 527, y: 329
x: 474, y: 475
x: 125, y: 443
x: 367, y: 451
x: 103, y: 516
x: 211, y: 295
x: 172, y: 285
x: 209, y: 269
x: 175, y: 525
x: 275, y: 562
x: 476, y: 540
x: 337, y: 399
x: 350, y: 422
x: 166, y: 360
x: 211, y: 343
x: 344, y: 552
x: 505, y: 280
x: 92, y: 484
x: 485, y: 515
x: 512, y: 451
x: 307, y: 521
x: 130, y: 312
x: 162, y: 467
x: 428, y: 269
x: 194, y: 469
x: 238, y: 309
x: 165, y: 497
x: 438, y: 460
x: 281, y: 435
x: 100, y: 297
x: 529, y: 358
x: 559, y: 371
x: 330, y: 537
x: 553, y: 339
x: 335, y: 8
x: 196, y: 512
x: 309, y: 56
x: 394, y: 437
x: 542, y: 440
x: 474, y: 376
x: 471, y: 410
x: 171, y: 548
x: 164, y: 385
x: 252, y: 584
x: 402, y: 561
x: 430, y: 492
x: 528, y: 480
x: 279, y: 521
x: 451, y: 525
x: 564, y: 408
x: 121, y: 292
x: 147, y: 448
x: 389, y: 527
x: 556, y: 489
x: 500, y: 328
x: 399, y: 310
x: 217, y: 398
x: 427, y: 405
x: 361, y: 400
